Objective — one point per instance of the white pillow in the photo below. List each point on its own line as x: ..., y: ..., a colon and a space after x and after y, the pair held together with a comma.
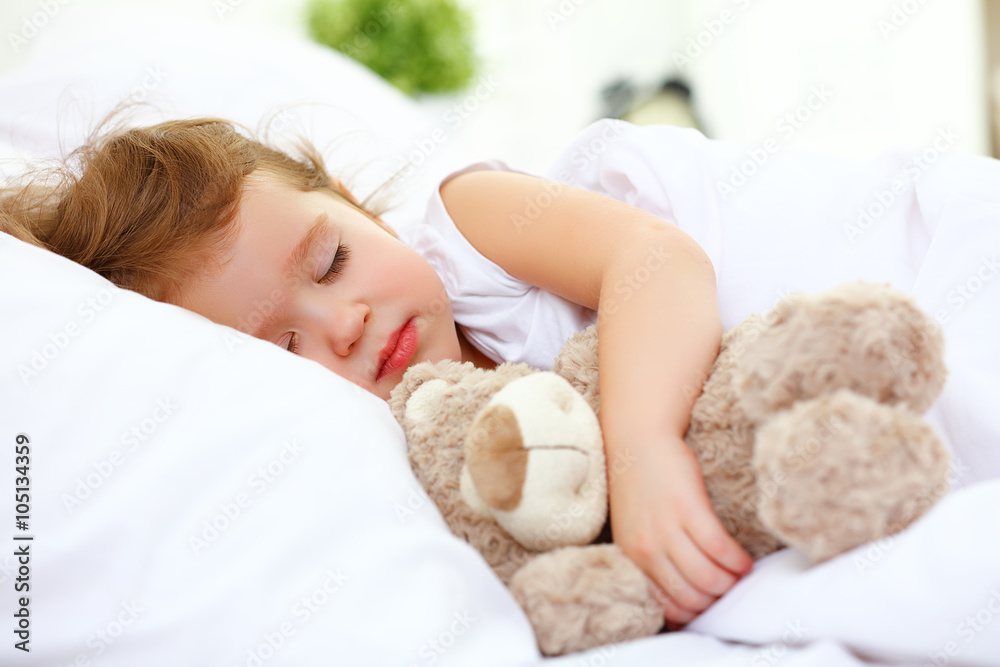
x: 202, y: 498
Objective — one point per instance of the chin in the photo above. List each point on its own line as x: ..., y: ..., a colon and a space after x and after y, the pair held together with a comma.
x: 383, y: 390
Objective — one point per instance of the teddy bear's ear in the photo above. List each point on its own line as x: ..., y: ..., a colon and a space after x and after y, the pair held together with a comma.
x: 418, y: 375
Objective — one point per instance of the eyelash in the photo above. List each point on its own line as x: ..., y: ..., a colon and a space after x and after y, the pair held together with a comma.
x: 336, y: 267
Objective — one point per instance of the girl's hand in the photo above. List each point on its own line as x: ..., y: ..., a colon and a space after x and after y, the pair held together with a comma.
x: 662, y: 519
x: 654, y: 290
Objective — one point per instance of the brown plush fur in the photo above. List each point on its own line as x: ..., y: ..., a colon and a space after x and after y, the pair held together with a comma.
x: 586, y: 592
x: 807, y: 430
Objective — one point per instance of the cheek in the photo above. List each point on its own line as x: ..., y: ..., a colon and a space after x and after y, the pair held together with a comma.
x: 411, y: 273
x: 434, y: 297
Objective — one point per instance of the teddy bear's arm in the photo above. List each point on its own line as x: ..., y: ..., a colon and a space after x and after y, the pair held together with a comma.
x: 581, y: 597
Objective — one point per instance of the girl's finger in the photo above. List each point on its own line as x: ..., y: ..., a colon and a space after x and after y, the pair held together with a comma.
x: 674, y: 615
x: 710, y: 537
x: 699, y: 569
x: 680, y: 591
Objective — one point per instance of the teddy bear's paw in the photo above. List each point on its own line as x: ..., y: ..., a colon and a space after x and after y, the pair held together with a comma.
x: 535, y: 461
x: 870, y: 338
x: 842, y: 470
x: 581, y: 597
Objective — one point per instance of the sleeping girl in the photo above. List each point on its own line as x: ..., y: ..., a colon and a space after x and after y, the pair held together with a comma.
x: 509, y: 265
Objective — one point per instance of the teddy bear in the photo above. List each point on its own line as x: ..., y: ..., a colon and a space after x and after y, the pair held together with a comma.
x: 808, y: 430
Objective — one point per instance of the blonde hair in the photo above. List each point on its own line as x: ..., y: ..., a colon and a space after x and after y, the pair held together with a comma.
x: 151, y: 208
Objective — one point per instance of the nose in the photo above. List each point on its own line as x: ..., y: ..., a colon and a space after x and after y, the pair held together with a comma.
x: 345, y: 324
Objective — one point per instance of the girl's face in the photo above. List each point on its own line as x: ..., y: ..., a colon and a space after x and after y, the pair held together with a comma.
x: 314, y: 275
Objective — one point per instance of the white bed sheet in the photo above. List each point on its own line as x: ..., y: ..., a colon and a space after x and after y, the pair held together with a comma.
x: 784, y: 230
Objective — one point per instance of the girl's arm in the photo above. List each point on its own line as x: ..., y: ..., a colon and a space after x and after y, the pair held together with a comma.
x: 659, y: 331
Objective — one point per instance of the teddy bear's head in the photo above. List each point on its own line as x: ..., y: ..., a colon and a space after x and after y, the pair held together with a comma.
x: 509, y: 448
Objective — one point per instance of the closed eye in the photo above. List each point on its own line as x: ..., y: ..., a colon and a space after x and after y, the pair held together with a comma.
x: 290, y: 342
x: 337, y: 265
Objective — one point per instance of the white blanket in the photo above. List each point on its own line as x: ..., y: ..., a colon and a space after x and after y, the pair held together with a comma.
x: 929, y: 223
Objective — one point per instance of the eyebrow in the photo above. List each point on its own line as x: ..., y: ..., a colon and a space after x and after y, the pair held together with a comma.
x: 295, y: 263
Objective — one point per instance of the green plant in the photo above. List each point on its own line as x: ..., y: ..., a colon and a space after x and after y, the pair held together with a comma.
x: 417, y: 45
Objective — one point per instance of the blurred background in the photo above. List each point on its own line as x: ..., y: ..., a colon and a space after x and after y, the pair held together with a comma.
x: 852, y: 77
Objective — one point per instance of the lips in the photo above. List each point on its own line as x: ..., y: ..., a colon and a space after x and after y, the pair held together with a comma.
x: 398, y: 351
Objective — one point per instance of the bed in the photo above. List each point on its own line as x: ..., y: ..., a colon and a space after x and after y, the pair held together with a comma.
x: 198, y: 497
